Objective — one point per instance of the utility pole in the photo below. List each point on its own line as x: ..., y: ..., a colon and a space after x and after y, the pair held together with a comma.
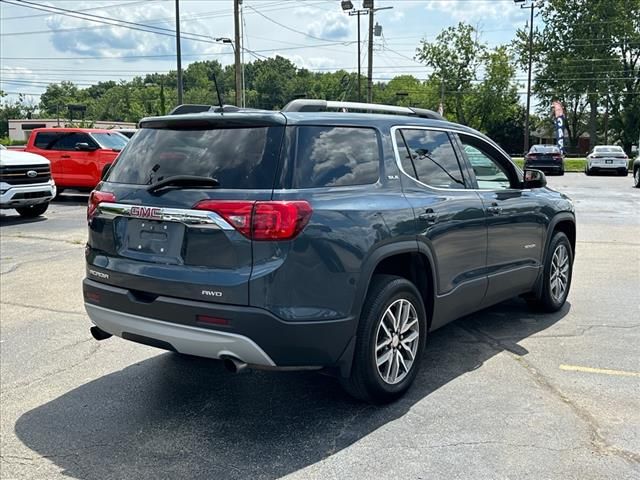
x: 368, y: 4
x: 526, y: 119
x: 358, y: 12
x: 178, y: 54
x: 238, y: 63
x: 347, y: 6
x: 370, y: 58
x: 532, y: 6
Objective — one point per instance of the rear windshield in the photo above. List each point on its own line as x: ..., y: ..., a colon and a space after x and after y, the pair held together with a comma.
x: 545, y: 149
x: 113, y: 141
x: 239, y: 158
x: 608, y: 149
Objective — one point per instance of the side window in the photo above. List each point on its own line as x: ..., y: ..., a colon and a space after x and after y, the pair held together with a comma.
x: 490, y: 174
x: 69, y: 141
x: 44, y: 140
x: 336, y: 156
x: 430, y: 157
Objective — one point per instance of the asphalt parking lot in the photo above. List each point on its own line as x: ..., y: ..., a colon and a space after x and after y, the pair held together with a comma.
x: 503, y: 394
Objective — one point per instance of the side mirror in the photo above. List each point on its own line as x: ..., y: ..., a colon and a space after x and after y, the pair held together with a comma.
x: 85, y: 147
x: 534, y: 179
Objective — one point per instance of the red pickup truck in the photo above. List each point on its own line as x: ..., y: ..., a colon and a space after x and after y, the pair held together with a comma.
x: 78, y: 156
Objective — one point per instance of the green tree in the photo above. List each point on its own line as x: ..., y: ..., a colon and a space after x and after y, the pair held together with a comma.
x: 455, y: 57
x: 587, y: 56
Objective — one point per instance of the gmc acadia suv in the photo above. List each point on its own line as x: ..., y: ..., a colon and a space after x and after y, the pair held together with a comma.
x: 317, y: 239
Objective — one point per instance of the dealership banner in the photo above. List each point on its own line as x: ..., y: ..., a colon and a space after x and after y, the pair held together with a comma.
x: 559, y: 122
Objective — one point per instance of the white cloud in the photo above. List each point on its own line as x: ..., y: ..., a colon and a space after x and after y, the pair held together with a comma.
x: 310, y: 63
x: 478, y: 10
x: 331, y: 25
x: 114, y: 41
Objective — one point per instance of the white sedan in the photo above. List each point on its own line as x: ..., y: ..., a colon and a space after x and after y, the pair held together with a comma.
x: 607, y: 158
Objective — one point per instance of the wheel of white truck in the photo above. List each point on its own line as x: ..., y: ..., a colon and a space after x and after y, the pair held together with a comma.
x: 33, y: 211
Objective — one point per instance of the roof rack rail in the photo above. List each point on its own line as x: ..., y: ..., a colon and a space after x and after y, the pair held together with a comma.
x: 194, y: 108
x: 309, y: 105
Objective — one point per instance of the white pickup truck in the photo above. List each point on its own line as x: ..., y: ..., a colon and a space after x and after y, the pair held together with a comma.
x: 25, y: 182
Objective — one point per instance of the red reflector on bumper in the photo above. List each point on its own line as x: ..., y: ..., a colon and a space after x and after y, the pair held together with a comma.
x: 211, y: 320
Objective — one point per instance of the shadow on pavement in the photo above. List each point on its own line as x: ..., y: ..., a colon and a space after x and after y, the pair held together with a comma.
x: 175, y: 417
x: 72, y: 197
x: 11, y: 217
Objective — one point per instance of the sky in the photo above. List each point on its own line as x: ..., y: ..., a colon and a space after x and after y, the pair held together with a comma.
x: 38, y: 48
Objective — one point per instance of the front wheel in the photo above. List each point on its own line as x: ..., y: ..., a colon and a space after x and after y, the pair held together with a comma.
x: 390, y: 340
x: 556, y: 281
x: 33, y: 211
x: 636, y: 177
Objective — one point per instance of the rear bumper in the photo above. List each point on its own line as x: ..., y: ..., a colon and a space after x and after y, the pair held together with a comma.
x: 555, y: 167
x: 24, y: 195
x: 253, y: 335
x: 608, y: 167
x: 181, y: 338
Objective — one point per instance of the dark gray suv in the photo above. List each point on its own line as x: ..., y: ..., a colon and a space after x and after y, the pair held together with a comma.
x: 317, y: 239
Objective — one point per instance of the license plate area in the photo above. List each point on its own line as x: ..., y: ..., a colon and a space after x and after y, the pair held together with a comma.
x: 608, y: 161
x: 153, y: 240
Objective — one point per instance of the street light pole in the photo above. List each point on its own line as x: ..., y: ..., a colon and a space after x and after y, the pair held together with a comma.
x: 178, y: 54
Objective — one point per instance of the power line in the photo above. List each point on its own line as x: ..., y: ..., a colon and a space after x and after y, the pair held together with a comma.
x: 82, y: 10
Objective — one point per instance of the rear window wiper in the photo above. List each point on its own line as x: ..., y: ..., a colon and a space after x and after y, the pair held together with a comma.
x: 184, y: 181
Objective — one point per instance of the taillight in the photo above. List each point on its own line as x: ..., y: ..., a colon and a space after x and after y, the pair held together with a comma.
x: 95, y: 198
x: 262, y: 220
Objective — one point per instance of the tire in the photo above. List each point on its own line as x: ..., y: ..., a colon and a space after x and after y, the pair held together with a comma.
x: 623, y: 174
x: 33, y: 211
x: 561, y: 173
x: 636, y: 177
x: 587, y: 171
x: 367, y: 381
x: 550, y: 298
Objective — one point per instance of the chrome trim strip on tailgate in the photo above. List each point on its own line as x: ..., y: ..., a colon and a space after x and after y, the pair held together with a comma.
x: 199, y: 218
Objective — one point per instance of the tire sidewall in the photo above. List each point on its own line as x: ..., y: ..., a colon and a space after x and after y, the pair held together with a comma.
x: 395, y: 290
x: 558, y: 239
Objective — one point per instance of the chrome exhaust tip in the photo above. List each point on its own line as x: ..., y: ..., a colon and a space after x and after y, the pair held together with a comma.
x: 233, y: 365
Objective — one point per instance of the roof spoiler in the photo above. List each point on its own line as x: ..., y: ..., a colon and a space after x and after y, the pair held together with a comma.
x: 309, y: 105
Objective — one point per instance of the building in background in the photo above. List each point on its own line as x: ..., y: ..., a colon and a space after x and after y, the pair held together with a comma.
x: 19, y: 130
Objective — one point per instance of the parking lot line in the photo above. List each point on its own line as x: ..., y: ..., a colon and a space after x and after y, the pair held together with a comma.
x: 605, y: 371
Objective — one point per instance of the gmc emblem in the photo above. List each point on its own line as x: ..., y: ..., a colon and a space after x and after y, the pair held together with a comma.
x: 146, y: 212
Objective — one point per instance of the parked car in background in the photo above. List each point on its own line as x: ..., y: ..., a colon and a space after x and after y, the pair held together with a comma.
x: 78, y: 156
x: 127, y: 132
x: 636, y: 172
x: 548, y: 158
x: 317, y: 239
x: 607, y: 158
x: 25, y: 182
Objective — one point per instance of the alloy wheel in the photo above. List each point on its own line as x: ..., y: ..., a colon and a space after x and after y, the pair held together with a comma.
x: 397, y: 340
x: 559, y: 272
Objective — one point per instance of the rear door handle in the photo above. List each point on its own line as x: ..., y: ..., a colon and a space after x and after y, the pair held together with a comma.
x: 428, y: 216
x: 495, y: 209
x: 65, y: 156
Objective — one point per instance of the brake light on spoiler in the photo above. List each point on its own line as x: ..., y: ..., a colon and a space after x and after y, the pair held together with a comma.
x: 268, y: 220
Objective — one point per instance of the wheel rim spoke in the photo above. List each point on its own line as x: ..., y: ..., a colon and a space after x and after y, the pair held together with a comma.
x: 396, y: 341
x: 559, y: 272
